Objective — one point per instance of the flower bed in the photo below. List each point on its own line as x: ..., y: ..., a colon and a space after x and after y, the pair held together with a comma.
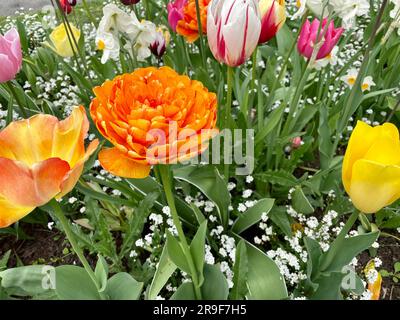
x: 256, y: 159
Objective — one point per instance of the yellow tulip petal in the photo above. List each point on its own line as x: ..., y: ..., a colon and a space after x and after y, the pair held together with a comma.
x: 73, y: 176
x: 11, y: 213
x: 361, y: 140
x: 119, y: 164
x: 68, y: 138
x: 374, y: 186
x: 28, y: 140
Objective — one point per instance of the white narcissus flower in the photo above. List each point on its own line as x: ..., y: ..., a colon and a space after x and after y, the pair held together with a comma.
x: 144, y: 37
x: 367, y: 84
x: 347, y: 10
x: 109, y: 44
x: 233, y: 30
x: 351, y: 78
x: 140, y: 35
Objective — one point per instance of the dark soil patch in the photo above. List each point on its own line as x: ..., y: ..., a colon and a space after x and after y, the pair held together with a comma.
x: 389, y: 253
x: 45, y: 247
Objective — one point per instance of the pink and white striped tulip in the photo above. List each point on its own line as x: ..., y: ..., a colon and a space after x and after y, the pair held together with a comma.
x: 233, y: 30
x: 10, y: 55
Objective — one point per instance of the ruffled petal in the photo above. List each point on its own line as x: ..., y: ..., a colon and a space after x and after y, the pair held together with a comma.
x: 119, y: 164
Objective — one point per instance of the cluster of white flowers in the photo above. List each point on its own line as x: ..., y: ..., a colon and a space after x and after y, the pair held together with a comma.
x: 347, y: 10
x: 116, y: 22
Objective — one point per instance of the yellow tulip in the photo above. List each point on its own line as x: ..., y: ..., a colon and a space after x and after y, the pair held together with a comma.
x: 371, y: 167
x: 61, y: 43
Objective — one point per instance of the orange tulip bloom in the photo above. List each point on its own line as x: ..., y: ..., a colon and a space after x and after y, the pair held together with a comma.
x: 188, y: 26
x: 152, y: 116
x: 40, y: 158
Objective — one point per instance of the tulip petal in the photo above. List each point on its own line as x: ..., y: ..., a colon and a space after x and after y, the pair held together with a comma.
x: 31, y: 187
x: 119, y: 164
x: 362, y: 138
x: 11, y: 213
x: 68, y: 140
x: 374, y: 186
x: 7, y: 72
x: 28, y: 140
x: 73, y: 176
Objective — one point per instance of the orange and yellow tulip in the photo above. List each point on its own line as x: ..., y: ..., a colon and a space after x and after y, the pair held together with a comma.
x: 41, y: 158
x: 152, y: 116
x: 371, y: 167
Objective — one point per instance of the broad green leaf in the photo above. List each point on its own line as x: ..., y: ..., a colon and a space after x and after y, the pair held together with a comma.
x: 208, y: 180
x: 329, y: 287
x: 253, y: 215
x: 164, y: 271
x: 300, y: 203
x: 101, y: 272
x: 197, y: 250
x: 184, y: 292
x: 176, y: 253
x: 264, y: 280
x: 240, y: 271
x: 215, y: 286
x: 123, y: 286
x: 73, y: 283
x: 341, y: 255
x: 28, y: 280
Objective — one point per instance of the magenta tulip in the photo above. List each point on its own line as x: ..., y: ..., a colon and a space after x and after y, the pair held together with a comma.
x: 175, y: 12
x: 10, y: 55
x: 308, y: 38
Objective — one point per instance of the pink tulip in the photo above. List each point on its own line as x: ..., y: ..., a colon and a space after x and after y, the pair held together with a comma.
x: 175, y: 12
x: 233, y: 30
x: 308, y: 38
x: 10, y: 55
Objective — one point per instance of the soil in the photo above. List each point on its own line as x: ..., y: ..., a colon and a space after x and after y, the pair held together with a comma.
x: 44, y: 247
x: 389, y: 253
x: 48, y: 247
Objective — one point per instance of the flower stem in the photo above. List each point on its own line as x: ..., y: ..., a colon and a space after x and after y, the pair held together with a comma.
x: 90, y: 16
x: 200, y: 27
x: 165, y: 175
x: 72, y: 240
x: 228, y: 110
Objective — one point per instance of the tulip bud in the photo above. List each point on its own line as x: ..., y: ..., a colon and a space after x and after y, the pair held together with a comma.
x: 66, y: 6
x: 327, y: 38
x: 273, y: 17
x: 233, y: 30
x: 10, y: 55
x: 297, y: 143
x: 129, y: 2
x: 159, y: 46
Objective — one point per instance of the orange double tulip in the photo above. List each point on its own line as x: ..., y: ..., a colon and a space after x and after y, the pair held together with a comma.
x: 152, y: 116
x: 40, y: 158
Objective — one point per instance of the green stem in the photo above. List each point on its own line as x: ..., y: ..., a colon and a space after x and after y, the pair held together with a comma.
x: 164, y: 173
x: 147, y: 7
x: 17, y: 99
x: 71, y: 238
x: 200, y: 27
x: 228, y: 106
x: 228, y: 110
x: 246, y: 110
x: 90, y: 16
